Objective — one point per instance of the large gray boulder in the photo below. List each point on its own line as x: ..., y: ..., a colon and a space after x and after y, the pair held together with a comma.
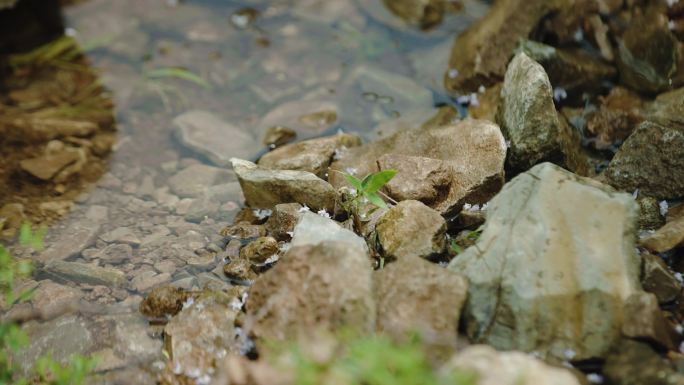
x: 554, y: 266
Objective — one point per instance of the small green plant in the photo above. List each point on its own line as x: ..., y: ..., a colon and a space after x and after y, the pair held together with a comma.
x: 13, y: 339
x: 369, y: 187
x: 371, y: 360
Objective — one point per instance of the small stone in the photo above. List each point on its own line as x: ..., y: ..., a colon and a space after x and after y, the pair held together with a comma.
x: 666, y: 238
x: 313, y: 229
x: 148, y: 280
x: 193, y: 181
x: 14, y: 217
x: 84, y: 273
x: 208, y: 135
x: 649, y: 214
x: 265, y: 188
x: 48, y: 166
x: 657, y: 278
x: 412, y: 229
x: 644, y: 320
x: 200, y: 209
x: 115, y: 253
x: 283, y: 220
x: 243, y: 231
x: 121, y: 235
x: 636, y: 363
x: 239, y: 271
x: 259, y: 250
x: 78, y: 238
x: 424, y: 14
x: 506, y: 368
x: 651, y: 160
x: 163, y: 301
x: 50, y: 297
x: 277, y: 136
x: 97, y: 213
x: 418, y: 178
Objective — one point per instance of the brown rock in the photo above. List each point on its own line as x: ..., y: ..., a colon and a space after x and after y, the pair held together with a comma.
x: 259, y: 250
x: 163, y: 301
x: 277, y: 136
x: 243, y: 231
x: 327, y: 285
x: 480, y: 55
x: 418, y: 296
x: 283, y: 220
x: 620, y: 113
x: 239, y: 271
x: 474, y: 150
x: 666, y: 238
x: 657, y: 278
x: 644, y: 320
x: 412, y: 229
x: 314, y: 155
x: 48, y: 166
x: 51, y: 297
x: 418, y: 178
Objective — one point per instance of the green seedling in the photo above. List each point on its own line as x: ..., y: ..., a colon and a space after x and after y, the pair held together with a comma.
x: 369, y: 187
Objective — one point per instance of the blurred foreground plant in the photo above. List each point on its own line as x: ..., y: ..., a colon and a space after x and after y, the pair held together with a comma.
x: 13, y: 339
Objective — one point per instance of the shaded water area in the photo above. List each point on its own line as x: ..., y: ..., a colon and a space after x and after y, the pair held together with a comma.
x: 148, y: 214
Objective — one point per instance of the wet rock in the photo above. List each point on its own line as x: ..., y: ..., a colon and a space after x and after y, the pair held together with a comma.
x: 619, y: 114
x: 480, y: 55
x: 666, y: 238
x: 423, y: 14
x: 208, y: 135
x: 649, y: 214
x: 575, y: 71
x: 243, y: 231
x: 636, y: 363
x: 265, y: 188
x: 147, y: 280
x: 657, y: 278
x: 412, y: 229
x: 277, y: 136
x: 651, y: 160
x: 283, y: 220
x: 70, y: 244
x: 121, y: 235
x: 554, y: 246
x: 115, y: 253
x: 200, y: 209
x: 337, y: 293
x: 239, y: 271
x: 528, y: 116
x: 63, y: 271
x: 418, y: 178
x: 313, y: 155
x: 649, y: 55
x: 163, y: 301
x: 307, y: 117
x: 507, y: 368
x: 259, y: 250
x: 644, y: 320
x: 668, y: 109
x: 200, y: 334
x: 51, y: 297
x: 474, y: 150
x: 48, y: 166
x: 313, y: 229
x: 193, y: 181
x: 417, y: 296
x: 12, y: 216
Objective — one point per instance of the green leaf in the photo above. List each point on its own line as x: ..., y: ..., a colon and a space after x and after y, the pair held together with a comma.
x: 354, y: 181
x: 178, y: 73
x: 378, y: 180
x: 375, y: 199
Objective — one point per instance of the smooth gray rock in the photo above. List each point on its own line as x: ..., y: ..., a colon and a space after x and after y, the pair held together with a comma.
x: 208, y: 135
x: 265, y: 188
x: 84, y: 273
x: 313, y: 229
x: 554, y: 266
x: 196, y: 180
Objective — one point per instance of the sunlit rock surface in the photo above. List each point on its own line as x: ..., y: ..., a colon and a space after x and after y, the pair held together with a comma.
x: 554, y: 266
x: 472, y: 151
